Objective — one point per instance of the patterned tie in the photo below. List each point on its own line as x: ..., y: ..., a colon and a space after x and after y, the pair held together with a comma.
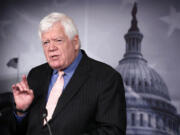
x: 54, y: 95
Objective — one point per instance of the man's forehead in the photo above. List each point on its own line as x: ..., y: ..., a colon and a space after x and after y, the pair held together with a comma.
x: 53, y: 33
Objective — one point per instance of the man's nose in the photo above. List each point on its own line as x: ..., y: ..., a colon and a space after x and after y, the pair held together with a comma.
x: 52, y: 46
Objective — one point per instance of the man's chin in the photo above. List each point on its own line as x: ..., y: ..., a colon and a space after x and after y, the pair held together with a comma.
x: 55, y: 66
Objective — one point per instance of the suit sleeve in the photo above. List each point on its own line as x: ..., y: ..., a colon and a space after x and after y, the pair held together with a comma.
x: 111, y: 109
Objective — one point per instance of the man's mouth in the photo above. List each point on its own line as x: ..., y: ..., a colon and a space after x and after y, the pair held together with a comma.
x: 54, y: 57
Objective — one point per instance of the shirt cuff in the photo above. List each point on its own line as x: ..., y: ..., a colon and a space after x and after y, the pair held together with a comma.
x: 19, y: 118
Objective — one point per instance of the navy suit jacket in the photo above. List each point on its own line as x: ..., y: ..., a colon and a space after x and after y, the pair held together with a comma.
x: 93, y: 102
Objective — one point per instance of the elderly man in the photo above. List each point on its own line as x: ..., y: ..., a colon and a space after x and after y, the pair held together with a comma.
x: 79, y: 95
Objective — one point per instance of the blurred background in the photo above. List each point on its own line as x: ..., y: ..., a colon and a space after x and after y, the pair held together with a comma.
x: 102, y: 25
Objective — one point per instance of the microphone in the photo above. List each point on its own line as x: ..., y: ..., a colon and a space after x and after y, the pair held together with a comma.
x: 45, y: 113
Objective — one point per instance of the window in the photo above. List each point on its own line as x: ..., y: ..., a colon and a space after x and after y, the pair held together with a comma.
x: 132, y: 119
x: 170, y: 124
x: 141, y: 120
x: 146, y: 84
x: 133, y: 82
x: 149, y: 120
x: 164, y: 123
x: 157, y: 122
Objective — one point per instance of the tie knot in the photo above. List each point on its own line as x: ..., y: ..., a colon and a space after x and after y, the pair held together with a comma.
x: 61, y: 73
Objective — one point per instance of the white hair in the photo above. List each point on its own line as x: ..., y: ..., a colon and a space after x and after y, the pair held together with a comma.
x: 66, y: 22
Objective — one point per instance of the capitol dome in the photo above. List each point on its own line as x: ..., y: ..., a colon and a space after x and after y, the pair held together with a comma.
x: 142, y: 78
x: 149, y: 107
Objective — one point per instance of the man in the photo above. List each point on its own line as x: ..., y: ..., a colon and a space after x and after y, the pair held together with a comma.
x: 81, y: 96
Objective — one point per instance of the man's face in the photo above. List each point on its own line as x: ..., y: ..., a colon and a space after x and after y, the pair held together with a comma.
x: 59, y: 50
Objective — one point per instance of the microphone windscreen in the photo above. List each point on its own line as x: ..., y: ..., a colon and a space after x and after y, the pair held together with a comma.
x: 44, y: 113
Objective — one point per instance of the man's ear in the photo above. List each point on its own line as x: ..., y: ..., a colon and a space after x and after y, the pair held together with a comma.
x: 76, y: 42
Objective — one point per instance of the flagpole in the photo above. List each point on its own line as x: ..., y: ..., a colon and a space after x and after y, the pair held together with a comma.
x: 18, y: 69
x: 14, y: 63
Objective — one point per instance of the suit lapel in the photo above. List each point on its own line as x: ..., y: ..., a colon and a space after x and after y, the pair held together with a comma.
x: 45, y: 85
x: 47, y: 79
x: 78, y: 79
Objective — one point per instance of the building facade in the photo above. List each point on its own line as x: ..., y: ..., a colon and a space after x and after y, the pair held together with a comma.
x: 149, y: 107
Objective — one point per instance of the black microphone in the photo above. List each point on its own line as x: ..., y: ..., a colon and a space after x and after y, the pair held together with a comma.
x: 45, y: 113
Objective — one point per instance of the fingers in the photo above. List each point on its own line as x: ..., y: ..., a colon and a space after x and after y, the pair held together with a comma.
x: 14, y: 87
x: 31, y: 92
x: 21, y: 86
x: 23, y: 95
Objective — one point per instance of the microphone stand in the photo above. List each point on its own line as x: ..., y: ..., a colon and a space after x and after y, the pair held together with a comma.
x: 45, y: 118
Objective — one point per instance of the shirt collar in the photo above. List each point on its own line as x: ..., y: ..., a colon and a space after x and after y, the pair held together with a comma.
x: 71, y: 68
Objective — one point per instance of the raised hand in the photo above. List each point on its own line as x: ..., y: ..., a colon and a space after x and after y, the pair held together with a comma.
x: 23, y: 95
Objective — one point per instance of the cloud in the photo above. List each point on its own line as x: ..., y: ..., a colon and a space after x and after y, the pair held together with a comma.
x: 172, y: 20
x: 3, y: 25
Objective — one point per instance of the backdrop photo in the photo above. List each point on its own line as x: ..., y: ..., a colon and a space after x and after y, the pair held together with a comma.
x: 138, y: 38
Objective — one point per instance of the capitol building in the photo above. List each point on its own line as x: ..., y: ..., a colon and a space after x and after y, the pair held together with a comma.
x: 149, y: 107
